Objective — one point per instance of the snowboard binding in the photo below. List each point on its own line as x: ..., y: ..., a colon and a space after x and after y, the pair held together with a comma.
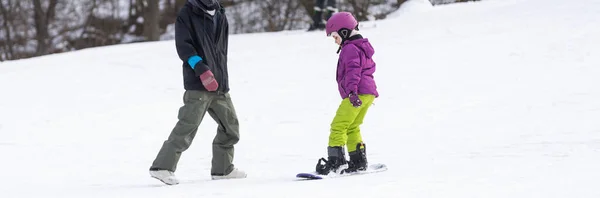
x: 358, y: 159
x: 322, y: 168
x: 333, y: 162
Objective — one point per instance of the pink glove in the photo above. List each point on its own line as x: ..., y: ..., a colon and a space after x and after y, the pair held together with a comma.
x: 209, y: 81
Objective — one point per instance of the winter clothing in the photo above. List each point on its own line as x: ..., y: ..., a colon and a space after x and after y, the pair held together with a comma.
x: 191, y: 114
x: 345, y: 127
x: 358, y: 159
x: 165, y: 176
x: 205, y: 4
x: 192, y: 61
x: 356, y: 102
x: 342, y: 23
x: 199, y: 33
x: 201, y: 37
x: 357, y: 88
x: 356, y: 67
x: 208, y: 80
x: 235, y: 174
x: 334, y: 162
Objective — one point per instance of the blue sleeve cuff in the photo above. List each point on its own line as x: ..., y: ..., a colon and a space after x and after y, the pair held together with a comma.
x: 194, y: 60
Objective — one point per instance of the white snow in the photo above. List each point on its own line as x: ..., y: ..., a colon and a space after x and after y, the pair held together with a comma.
x: 413, y: 6
x: 499, y: 98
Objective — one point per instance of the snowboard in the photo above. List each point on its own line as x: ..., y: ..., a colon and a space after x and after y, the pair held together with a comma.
x: 372, y: 168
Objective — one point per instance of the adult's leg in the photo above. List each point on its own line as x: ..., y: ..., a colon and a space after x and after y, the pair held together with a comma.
x: 223, y: 112
x: 190, y: 116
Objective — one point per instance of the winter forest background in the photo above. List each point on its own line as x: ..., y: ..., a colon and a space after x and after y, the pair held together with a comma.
x: 30, y: 28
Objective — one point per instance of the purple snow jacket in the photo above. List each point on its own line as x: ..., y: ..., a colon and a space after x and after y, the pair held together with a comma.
x: 356, y: 67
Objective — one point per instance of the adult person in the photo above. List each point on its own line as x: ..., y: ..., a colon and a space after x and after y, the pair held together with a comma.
x: 201, y: 39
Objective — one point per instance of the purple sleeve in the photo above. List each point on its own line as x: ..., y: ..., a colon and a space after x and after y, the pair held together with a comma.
x: 351, y: 61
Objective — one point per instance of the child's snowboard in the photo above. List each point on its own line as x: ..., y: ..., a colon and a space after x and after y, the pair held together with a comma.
x: 373, y: 168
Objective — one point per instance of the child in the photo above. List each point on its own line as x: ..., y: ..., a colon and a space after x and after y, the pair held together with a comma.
x: 358, y: 90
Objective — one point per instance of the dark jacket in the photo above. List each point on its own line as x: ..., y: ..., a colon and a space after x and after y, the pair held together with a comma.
x: 196, y: 34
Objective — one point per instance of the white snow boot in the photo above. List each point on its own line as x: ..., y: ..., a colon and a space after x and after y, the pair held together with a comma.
x: 235, y: 174
x: 165, y: 176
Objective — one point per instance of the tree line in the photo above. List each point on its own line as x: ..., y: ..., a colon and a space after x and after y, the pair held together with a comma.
x: 30, y: 28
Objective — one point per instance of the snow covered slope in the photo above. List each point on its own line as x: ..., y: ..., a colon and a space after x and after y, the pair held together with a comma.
x: 499, y: 98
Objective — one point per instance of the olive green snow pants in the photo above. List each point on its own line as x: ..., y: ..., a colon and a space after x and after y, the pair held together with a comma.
x: 345, y: 128
x: 196, y: 104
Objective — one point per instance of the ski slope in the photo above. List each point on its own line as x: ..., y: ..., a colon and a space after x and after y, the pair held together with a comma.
x: 494, y: 99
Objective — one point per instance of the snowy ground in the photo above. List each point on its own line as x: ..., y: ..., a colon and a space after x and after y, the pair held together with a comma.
x: 499, y: 98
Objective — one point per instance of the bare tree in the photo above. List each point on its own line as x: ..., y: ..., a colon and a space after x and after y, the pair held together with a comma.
x: 16, y: 34
x: 151, y: 20
x: 43, y: 17
x: 38, y: 27
x: 103, y: 25
x: 244, y: 17
x: 6, y: 40
x: 169, y: 12
x: 279, y: 14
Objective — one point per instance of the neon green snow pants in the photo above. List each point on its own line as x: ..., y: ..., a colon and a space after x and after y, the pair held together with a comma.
x: 345, y: 128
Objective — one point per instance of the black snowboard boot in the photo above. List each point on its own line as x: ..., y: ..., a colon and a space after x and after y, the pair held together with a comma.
x: 358, y: 159
x: 336, y: 158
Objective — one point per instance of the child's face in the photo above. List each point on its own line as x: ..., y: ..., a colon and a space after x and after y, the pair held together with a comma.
x: 337, y: 38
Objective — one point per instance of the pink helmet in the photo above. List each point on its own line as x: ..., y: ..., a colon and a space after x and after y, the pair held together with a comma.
x: 340, y: 20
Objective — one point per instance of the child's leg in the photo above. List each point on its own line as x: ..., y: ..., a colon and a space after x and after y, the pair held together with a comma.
x: 353, y: 135
x: 344, y: 117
